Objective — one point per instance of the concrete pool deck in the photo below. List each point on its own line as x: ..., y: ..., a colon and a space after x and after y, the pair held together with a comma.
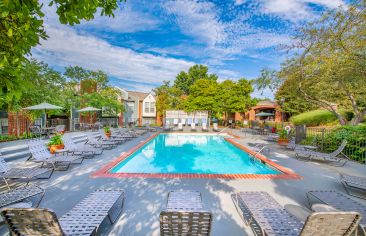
x: 145, y: 197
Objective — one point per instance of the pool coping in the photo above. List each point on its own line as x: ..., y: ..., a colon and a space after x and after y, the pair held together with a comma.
x: 104, y: 171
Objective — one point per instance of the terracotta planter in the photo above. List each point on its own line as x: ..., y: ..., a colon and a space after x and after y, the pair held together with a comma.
x: 108, y: 134
x: 53, y: 148
x: 283, y: 142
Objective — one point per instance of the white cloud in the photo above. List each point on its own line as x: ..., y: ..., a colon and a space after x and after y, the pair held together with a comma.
x: 239, y: 2
x: 197, y: 19
x: 295, y: 10
x: 65, y: 47
x: 126, y: 20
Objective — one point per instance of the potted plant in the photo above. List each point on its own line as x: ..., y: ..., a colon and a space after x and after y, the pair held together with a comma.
x: 107, y: 131
x: 56, y: 143
x: 283, y: 137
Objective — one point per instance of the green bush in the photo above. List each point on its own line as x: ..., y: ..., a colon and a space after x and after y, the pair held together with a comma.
x: 355, y: 136
x: 314, y: 118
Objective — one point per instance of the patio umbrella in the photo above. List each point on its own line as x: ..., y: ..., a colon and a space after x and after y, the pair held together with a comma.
x: 89, y: 109
x: 264, y: 114
x: 44, y: 106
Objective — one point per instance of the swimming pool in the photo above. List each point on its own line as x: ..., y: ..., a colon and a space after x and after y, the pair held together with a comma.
x: 191, y: 154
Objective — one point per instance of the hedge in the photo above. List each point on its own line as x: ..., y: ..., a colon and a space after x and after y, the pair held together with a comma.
x: 314, y: 118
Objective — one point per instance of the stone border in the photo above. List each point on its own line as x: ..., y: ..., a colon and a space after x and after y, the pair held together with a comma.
x: 104, y: 171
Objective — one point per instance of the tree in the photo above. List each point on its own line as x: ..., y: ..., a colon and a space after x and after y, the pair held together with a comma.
x: 185, y: 80
x: 22, y: 27
x: 330, y: 72
x: 235, y: 96
x: 203, y: 96
x: 94, y: 89
x: 163, y: 98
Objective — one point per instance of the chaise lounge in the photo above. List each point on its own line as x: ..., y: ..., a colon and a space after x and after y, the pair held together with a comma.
x: 185, y: 215
x: 351, y: 182
x: 332, y: 158
x: 84, y: 219
x: 267, y: 217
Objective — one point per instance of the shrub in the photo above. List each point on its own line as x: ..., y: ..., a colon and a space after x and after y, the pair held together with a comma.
x: 313, y: 118
x: 55, y: 140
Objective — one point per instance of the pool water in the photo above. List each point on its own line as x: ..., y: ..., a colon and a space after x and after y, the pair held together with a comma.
x: 191, y: 154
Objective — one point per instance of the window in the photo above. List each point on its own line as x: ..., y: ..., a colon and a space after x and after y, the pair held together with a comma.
x: 152, y: 107
x: 147, y: 107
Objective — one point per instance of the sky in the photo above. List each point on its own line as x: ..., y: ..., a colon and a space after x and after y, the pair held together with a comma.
x: 148, y: 42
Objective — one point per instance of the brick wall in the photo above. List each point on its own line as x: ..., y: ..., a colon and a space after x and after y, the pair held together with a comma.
x: 22, y: 124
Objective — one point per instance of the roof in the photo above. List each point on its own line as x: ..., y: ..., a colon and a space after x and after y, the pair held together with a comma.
x: 266, y: 103
x: 139, y: 95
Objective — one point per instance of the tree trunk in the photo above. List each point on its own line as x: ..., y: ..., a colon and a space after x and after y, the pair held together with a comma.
x: 359, y: 117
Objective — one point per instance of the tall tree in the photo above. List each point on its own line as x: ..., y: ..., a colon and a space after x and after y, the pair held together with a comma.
x: 235, y: 96
x: 203, y: 96
x: 22, y: 27
x: 185, y: 80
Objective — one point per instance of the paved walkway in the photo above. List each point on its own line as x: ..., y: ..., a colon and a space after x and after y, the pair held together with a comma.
x: 145, y: 198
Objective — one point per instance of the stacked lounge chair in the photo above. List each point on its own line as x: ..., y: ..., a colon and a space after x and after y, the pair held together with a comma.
x: 215, y: 127
x: 84, y: 219
x: 180, y: 127
x: 96, y: 142
x: 41, y: 155
x: 175, y: 122
x: 25, y: 173
x: 193, y: 127
x: 185, y: 215
x: 332, y: 158
x: 267, y: 217
x: 204, y: 127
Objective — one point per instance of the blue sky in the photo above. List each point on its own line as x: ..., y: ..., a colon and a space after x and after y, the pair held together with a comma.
x: 151, y: 41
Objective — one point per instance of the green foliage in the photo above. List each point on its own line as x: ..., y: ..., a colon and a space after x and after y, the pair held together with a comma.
x: 203, y: 96
x: 235, y: 96
x: 314, y: 118
x: 185, y: 80
x: 107, y: 129
x: 283, y: 134
x: 55, y: 140
x: 22, y: 27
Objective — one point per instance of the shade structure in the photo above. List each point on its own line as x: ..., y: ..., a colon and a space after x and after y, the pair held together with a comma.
x: 264, y: 114
x: 89, y: 109
x: 44, y: 106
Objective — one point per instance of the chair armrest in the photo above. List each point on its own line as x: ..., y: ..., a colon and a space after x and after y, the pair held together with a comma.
x: 301, y: 213
x: 318, y: 207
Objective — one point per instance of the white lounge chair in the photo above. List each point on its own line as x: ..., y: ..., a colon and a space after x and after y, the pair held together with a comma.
x: 167, y: 126
x: 189, y: 121
x: 175, y: 122
x: 193, y: 127
x: 180, y: 127
x: 183, y: 121
x: 204, y: 127
x: 196, y: 121
x: 215, y: 127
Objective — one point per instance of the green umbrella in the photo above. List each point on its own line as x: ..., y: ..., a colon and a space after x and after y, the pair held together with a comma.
x: 44, y: 106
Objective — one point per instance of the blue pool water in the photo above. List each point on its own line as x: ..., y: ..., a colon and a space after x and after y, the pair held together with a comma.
x: 193, y: 154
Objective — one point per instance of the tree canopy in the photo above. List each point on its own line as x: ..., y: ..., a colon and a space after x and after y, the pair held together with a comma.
x: 22, y: 27
x: 330, y: 71
x: 198, y: 90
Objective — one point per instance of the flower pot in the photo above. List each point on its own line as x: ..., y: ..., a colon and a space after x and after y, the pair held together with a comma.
x: 283, y: 141
x: 108, y: 134
x: 53, y: 148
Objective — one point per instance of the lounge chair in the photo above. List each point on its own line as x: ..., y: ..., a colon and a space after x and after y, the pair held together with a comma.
x: 215, y: 127
x: 338, y: 201
x: 41, y: 155
x: 204, y: 127
x: 37, y: 131
x: 189, y: 121
x: 180, y: 127
x: 98, y: 143
x: 271, y: 137
x: 30, y: 195
x: 351, y: 182
x: 84, y: 219
x: 185, y: 215
x: 267, y: 217
x: 59, y: 129
x: 167, y: 126
x: 193, y: 127
x: 26, y: 173
x: 83, y: 150
x: 196, y: 121
x: 309, y: 155
x: 183, y: 121
x: 175, y: 122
